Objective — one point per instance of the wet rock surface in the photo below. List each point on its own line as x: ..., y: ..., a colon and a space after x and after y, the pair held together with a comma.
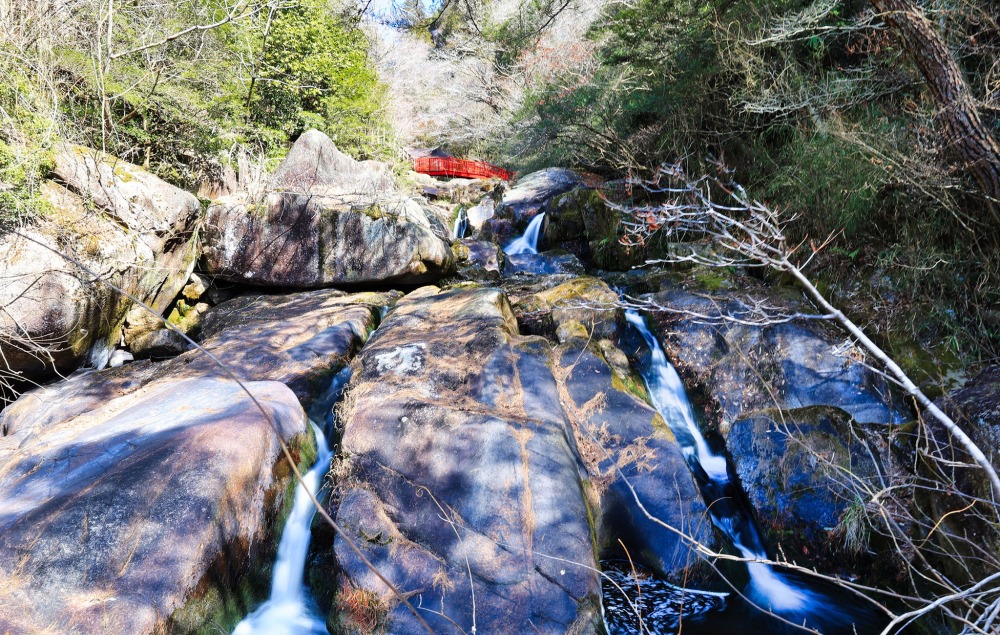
x: 742, y: 368
x: 527, y: 197
x: 630, y: 454
x: 805, y: 471
x: 479, y: 260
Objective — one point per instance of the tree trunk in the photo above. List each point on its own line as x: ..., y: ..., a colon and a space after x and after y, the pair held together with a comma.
x: 963, y: 128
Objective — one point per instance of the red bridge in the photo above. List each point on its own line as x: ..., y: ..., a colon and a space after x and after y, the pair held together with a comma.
x: 464, y: 168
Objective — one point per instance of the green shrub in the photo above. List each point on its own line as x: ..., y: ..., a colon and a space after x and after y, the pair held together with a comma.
x: 27, y: 132
x: 316, y: 74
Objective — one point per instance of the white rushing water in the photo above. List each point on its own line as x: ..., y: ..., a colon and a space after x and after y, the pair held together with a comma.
x: 670, y: 400
x: 527, y: 244
x: 289, y: 609
x: 461, y: 224
x: 768, y: 588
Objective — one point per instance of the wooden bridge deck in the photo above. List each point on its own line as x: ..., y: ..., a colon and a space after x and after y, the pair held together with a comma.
x: 462, y: 168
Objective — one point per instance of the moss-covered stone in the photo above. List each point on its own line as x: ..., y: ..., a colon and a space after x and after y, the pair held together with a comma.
x: 804, y: 471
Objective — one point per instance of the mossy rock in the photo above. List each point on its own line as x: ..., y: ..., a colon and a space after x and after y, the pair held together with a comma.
x: 805, y: 472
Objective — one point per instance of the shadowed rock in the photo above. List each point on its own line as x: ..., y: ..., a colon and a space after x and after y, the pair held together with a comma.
x: 798, y: 469
x: 743, y: 368
x: 533, y: 190
x: 631, y: 453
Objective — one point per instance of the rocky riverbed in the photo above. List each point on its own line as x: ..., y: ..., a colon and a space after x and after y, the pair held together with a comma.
x: 496, y: 446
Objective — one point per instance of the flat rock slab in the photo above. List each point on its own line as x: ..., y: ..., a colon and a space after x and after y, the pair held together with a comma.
x: 113, y: 519
x: 300, y: 340
x: 463, y: 485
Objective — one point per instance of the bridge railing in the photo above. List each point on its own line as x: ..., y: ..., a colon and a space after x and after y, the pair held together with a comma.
x: 463, y: 168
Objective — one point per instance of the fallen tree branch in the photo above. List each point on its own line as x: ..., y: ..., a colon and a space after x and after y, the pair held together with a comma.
x: 748, y: 232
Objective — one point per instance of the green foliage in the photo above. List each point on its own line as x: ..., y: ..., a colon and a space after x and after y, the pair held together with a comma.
x: 316, y: 74
x: 820, y: 115
x: 255, y: 82
x: 832, y: 183
x: 26, y: 136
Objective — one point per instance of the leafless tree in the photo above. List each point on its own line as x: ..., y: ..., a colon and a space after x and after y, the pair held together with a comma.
x: 743, y: 232
x: 750, y: 233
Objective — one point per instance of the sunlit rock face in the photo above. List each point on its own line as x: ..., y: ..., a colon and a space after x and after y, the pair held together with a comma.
x: 137, y: 515
x: 148, y: 496
x: 325, y: 219
x: 461, y: 474
x: 109, y: 222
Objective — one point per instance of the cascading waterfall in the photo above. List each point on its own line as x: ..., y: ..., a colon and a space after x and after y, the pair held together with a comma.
x: 289, y: 610
x: 528, y: 243
x: 670, y: 400
x: 768, y: 588
x: 461, y: 225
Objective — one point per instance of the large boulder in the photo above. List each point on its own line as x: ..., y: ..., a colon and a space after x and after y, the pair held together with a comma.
x: 806, y: 472
x: 741, y: 366
x: 461, y: 479
x: 326, y: 220
x: 300, y: 340
x: 533, y: 190
x: 581, y: 221
x: 145, y: 513
x: 117, y: 225
x: 156, y: 488
x: 314, y: 165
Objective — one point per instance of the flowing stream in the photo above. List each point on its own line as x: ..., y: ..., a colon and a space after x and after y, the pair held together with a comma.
x: 777, y: 591
x: 527, y: 244
x: 461, y: 226
x: 289, y: 610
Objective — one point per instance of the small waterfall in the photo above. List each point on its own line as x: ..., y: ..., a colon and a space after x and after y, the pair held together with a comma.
x: 670, y: 400
x: 769, y: 589
x: 527, y: 244
x: 289, y: 610
x: 461, y: 225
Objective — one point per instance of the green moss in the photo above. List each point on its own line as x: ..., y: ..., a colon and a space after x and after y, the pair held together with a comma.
x: 712, y: 278
x: 374, y: 212
x: 631, y: 383
x: 123, y: 175
x: 661, y: 427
